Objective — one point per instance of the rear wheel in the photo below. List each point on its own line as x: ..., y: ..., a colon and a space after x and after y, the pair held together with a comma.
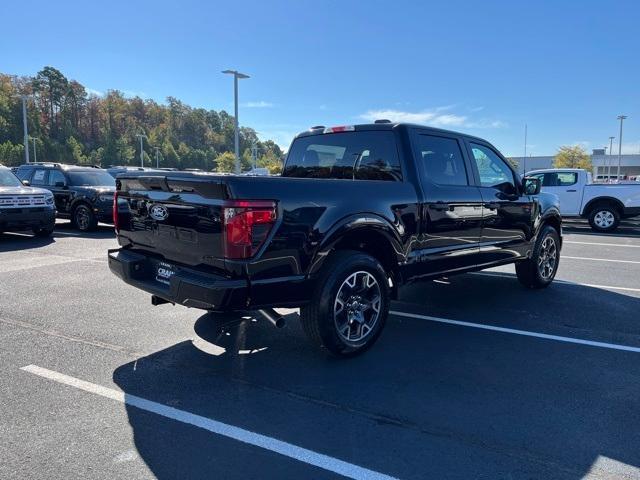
x: 350, y: 304
x: 84, y: 219
x: 540, y: 270
x: 604, y: 218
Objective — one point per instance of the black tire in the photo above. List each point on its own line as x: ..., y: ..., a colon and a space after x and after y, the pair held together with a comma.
x: 529, y: 272
x: 318, y: 319
x: 43, y: 232
x: 84, y: 219
x: 604, y: 217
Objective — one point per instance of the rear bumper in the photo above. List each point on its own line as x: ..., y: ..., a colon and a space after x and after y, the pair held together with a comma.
x: 17, y: 219
x: 185, y: 286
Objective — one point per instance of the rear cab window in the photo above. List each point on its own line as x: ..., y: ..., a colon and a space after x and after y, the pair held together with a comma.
x: 358, y: 155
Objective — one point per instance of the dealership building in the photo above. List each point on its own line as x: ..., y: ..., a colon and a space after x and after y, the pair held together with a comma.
x: 629, y: 164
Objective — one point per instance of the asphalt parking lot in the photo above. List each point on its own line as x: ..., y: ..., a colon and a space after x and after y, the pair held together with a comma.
x: 474, y: 376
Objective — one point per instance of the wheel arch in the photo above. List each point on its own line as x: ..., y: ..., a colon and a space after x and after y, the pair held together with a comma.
x: 370, y: 234
x: 617, y: 204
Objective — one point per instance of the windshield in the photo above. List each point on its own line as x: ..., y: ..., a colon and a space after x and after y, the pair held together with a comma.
x: 97, y: 178
x: 8, y: 179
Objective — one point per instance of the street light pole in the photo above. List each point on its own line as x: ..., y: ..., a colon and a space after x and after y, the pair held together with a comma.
x: 35, y: 153
x: 157, y: 158
x: 141, y: 136
x: 24, y: 126
x: 609, y: 162
x: 524, y: 159
x: 621, y: 118
x: 236, y: 75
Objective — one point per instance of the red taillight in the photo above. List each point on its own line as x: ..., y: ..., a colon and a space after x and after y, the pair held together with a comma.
x: 115, y: 211
x: 246, y: 226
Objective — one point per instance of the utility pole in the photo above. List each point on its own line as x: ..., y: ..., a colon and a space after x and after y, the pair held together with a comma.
x: 609, y: 162
x: 157, y: 159
x: 141, y: 136
x: 621, y: 118
x: 236, y: 75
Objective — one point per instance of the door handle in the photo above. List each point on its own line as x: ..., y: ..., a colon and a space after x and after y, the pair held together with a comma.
x: 492, y: 205
x: 440, y: 206
x: 572, y: 190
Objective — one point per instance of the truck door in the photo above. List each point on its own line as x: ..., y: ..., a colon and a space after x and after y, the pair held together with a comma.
x: 451, y: 213
x: 565, y: 186
x: 59, y: 187
x: 506, y: 214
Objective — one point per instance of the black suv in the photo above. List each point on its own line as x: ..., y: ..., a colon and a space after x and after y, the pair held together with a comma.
x: 82, y: 194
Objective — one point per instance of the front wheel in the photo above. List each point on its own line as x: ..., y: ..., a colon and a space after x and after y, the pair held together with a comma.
x: 540, y: 270
x: 350, y: 304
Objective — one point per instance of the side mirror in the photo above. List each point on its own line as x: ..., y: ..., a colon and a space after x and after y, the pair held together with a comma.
x: 60, y: 184
x: 26, y: 183
x: 532, y: 185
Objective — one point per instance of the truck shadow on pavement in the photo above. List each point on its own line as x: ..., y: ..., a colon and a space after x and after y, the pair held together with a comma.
x: 429, y: 399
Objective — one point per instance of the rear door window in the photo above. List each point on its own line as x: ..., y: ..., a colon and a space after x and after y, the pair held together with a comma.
x: 349, y: 155
x: 39, y: 177
x: 441, y: 160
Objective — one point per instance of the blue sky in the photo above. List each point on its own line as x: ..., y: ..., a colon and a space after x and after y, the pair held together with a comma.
x: 567, y: 69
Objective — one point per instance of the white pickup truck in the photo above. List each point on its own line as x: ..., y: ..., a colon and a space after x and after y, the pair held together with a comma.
x: 603, y: 204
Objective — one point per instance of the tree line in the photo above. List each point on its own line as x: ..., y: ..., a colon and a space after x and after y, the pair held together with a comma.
x: 70, y: 125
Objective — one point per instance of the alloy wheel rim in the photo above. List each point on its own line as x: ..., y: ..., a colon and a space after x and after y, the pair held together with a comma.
x: 356, y: 309
x: 547, y: 258
x: 82, y: 218
x: 604, y: 219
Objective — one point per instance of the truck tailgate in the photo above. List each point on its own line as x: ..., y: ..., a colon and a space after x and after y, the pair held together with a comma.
x: 177, y: 217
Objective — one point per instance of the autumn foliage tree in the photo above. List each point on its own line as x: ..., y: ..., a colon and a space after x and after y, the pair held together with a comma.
x: 572, y: 157
x: 73, y: 126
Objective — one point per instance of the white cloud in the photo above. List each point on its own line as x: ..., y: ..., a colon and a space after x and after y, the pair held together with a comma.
x: 430, y: 117
x: 91, y: 91
x: 434, y: 117
x: 259, y: 104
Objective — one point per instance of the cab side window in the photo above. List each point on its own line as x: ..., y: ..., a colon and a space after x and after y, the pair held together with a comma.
x: 494, y: 172
x: 441, y: 160
x: 56, y: 176
x: 39, y: 177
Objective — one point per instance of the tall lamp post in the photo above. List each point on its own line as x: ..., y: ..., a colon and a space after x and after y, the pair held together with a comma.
x: 236, y: 75
x: 157, y: 158
x: 609, y: 162
x: 35, y: 153
x: 141, y: 136
x: 24, y: 126
x: 621, y: 118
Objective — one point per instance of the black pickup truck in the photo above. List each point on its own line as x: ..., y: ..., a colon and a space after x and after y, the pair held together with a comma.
x: 357, y: 212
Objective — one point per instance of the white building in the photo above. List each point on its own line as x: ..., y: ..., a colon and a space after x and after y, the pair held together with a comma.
x: 629, y: 164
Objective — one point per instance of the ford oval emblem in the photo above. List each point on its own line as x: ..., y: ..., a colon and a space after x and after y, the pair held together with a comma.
x: 158, y: 212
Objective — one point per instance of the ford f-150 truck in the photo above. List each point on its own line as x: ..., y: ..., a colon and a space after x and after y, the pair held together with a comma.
x: 357, y: 212
x: 604, y: 205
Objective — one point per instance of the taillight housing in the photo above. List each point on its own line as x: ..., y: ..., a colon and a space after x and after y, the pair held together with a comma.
x: 116, y: 223
x: 247, y: 224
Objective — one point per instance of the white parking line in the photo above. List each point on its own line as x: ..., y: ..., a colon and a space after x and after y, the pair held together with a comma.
x: 562, y: 257
x: 526, y: 333
x: 564, y: 282
x: 601, y: 244
x: 236, y: 433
